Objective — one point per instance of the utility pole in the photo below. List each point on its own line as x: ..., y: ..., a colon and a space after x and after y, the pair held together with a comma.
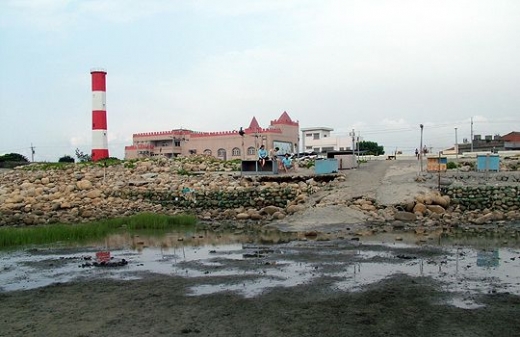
x: 471, y: 134
x: 32, y: 153
x: 421, y: 148
x: 353, y: 135
x: 456, y: 146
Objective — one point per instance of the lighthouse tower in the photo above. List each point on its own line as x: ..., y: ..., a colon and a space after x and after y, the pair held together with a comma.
x: 99, y: 115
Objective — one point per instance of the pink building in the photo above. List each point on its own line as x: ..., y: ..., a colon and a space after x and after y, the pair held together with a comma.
x: 282, y: 132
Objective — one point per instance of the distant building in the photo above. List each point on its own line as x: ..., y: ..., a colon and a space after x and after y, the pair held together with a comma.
x: 479, y: 144
x: 495, y: 143
x: 319, y: 139
x: 512, y: 141
x: 282, y: 132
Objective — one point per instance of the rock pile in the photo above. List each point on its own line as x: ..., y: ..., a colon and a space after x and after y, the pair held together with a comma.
x: 211, y: 189
x: 215, y: 191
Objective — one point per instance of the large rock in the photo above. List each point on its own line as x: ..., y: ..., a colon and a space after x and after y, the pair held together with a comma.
x: 419, y: 208
x: 294, y: 208
x: 242, y: 216
x: 271, y: 209
x: 404, y: 216
x: 436, y: 209
x: 94, y: 194
x: 84, y: 184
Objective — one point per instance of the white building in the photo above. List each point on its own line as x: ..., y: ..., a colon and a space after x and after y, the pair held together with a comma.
x: 319, y: 139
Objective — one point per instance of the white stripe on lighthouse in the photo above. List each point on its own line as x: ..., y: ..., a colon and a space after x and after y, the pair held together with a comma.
x: 99, y: 139
x: 99, y: 99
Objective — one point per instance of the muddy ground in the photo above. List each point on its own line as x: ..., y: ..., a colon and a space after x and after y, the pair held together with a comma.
x: 167, y: 305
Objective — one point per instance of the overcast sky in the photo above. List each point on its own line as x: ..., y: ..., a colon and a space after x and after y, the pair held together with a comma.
x: 381, y: 67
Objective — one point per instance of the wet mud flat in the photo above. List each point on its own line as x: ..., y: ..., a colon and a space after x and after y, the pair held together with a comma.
x: 298, y: 288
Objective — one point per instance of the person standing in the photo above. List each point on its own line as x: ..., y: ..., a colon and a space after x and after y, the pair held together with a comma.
x: 262, y: 155
x: 273, y: 153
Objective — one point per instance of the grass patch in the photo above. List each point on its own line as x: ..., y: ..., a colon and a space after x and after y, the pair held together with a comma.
x: 47, y: 234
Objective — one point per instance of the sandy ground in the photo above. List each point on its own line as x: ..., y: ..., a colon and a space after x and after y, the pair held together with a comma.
x: 388, y: 182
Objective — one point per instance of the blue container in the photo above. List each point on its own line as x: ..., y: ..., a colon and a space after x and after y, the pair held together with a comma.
x: 324, y: 166
x: 488, y: 162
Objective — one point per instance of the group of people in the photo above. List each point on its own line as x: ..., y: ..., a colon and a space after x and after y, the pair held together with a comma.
x: 285, y: 164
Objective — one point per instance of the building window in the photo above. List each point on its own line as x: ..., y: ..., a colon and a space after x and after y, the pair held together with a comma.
x: 251, y: 151
x: 316, y: 149
x: 221, y: 152
x: 207, y: 152
x: 315, y: 136
x: 236, y: 152
x: 327, y: 148
x: 308, y: 135
x: 308, y: 148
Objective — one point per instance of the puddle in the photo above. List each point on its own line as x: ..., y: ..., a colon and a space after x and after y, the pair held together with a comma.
x: 234, y: 262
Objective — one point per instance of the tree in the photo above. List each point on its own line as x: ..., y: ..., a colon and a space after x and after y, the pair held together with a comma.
x: 13, y: 157
x: 83, y: 157
x: 371, y: 148
x: 66, y: 159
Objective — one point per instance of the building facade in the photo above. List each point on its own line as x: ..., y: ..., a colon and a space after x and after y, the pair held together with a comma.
x: 490, y: 143
x: 512, y: 141
x: 237, y: 144
x: 319, y: 139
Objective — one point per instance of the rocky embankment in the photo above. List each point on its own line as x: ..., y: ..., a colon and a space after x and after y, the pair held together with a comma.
x: 211, y: 189
x: 215, y: 191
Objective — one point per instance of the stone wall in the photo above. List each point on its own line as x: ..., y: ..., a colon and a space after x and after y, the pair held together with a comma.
x: 79, y: 193
x: 502, y: 198
x: 279, y: 196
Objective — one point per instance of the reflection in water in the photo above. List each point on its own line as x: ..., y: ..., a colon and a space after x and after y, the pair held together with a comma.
x: 488, y: 258
x: 251, y: 263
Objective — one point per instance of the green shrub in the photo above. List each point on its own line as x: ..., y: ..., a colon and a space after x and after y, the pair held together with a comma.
x: 451, y: 165
x: 66, y: 159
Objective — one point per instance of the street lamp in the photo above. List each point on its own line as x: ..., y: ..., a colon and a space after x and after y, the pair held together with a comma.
x: 421, y: 148
x: 456, y: 146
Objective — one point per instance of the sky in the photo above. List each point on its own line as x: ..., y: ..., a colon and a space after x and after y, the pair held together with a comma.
x: 379, y: 67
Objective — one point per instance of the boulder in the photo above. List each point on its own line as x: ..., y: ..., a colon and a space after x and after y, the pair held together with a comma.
x: 84, y: 184
x: 242, y: 216
x: 436, y: 209
x: 271, y: 210
x: 419, y: 208
x: 404, y: 216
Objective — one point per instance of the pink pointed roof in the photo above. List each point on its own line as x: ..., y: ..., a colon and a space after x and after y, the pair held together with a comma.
x: 284, y: 119
x: 253, y: 125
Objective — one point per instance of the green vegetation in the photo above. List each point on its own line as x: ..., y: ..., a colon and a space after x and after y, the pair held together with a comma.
x: 12, y: 160
x: 36, y: 235
x: 83, y: 157
x: 451, y: 165
x: 13, y: 157
x: 371, y: 148
x: 48, y: 166
x: 307, y: 164
x: 66, y: 159
x: 183, y: 172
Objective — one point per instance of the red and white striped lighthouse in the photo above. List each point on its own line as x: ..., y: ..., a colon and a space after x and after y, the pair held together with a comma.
x: 99, y: 115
